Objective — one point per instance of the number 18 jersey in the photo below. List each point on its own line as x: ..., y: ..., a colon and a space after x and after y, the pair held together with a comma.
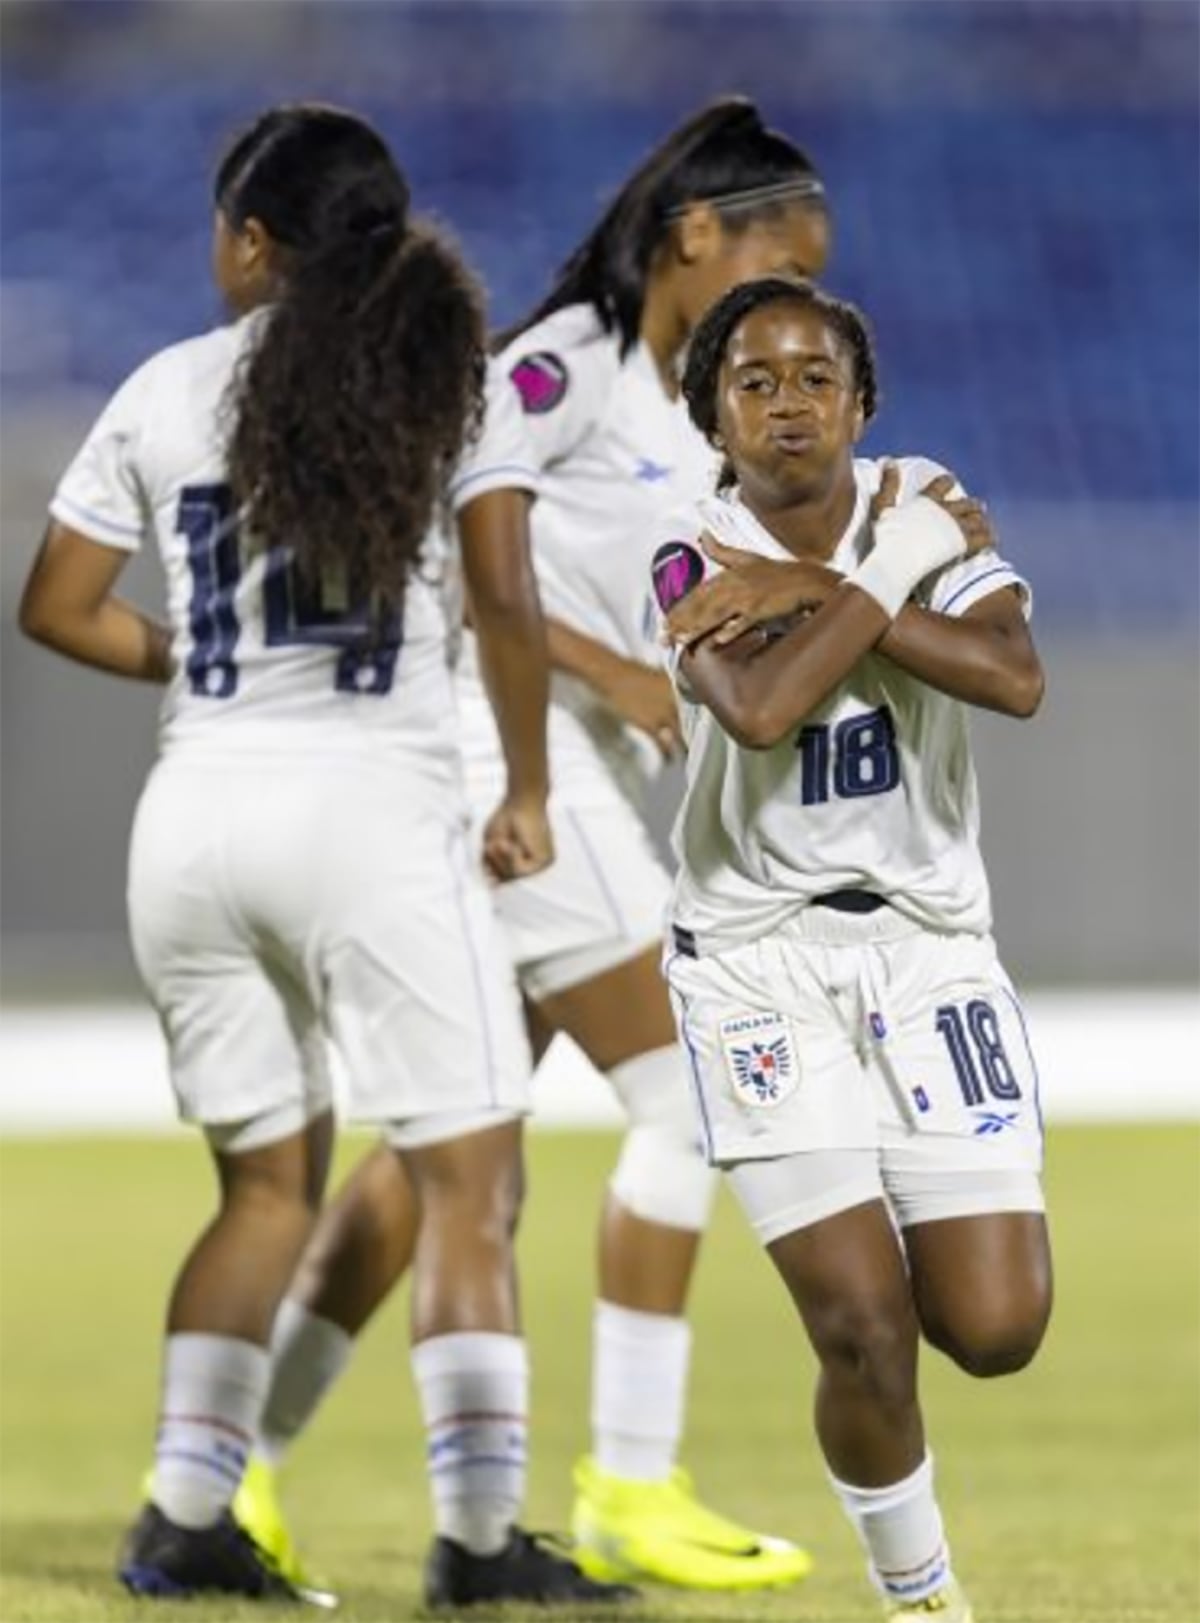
x: 876, y: 791
x: 262, y: 661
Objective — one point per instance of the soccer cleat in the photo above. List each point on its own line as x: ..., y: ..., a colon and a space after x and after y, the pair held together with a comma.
x: 164, y: 1560
x: 524, y: 1570
x: 661, y: 1532
x: 949, y: 1605
x: 257, y: 1509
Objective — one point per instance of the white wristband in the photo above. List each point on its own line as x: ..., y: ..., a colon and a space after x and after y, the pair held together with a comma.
x: 910, y: 542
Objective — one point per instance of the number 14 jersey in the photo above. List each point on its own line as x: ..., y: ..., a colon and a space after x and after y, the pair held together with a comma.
x: 876, y: 791
x: 262, y: 661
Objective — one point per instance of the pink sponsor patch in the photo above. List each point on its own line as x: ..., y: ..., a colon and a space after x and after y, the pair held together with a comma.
x: 677, y: 567
x: 541, y: 381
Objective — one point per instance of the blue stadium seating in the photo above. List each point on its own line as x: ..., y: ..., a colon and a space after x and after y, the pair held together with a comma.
x: 1028, y: 254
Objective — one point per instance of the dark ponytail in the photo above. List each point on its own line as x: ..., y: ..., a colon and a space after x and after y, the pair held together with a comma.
x: 356, y: 401
x: 723, y: 154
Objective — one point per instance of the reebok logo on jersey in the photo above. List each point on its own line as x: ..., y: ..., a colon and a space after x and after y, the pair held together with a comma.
x: 759, y: 1058
x: 541, y: 380
x: 677, y: 567
x: 990, y: 1122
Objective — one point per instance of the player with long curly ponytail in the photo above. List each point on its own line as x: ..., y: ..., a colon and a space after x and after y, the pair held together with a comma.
x: 299, y: 868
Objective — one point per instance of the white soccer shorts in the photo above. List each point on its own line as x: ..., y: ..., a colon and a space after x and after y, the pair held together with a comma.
x: 277, y: 903
x: 865, y: 1032
x: 601, y: 902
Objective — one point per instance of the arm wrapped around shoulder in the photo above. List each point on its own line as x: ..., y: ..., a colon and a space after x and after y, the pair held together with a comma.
x: 911, y: 541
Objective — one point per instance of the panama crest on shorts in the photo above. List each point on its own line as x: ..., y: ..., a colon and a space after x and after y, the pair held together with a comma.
x: 760, y: 1059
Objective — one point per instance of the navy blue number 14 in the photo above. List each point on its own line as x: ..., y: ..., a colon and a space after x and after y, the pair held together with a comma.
x: 291, y: 615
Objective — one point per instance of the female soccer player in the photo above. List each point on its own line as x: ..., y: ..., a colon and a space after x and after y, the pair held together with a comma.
x: 858, y: 1055
x: 596, y: 368
x: 298, y: 864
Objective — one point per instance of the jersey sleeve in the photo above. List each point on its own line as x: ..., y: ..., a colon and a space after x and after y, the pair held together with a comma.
x: 969, y: 582
x: 101, y: 494
x: 560, y: 382
x: 502, y: 457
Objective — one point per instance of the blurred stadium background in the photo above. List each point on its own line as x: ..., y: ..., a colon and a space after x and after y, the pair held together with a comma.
x: 1016, y: 196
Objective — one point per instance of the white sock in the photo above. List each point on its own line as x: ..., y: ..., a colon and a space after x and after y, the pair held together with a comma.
x: 639, y: 1386
x: 474, y: 1390
x: 308, y: 1353
x: 900, y: 1527
x: 212, y: 1393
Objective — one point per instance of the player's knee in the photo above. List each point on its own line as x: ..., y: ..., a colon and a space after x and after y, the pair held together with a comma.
x: 464, y: 1191
x: 661, y: 1176
x: 992, y: 1344
x: 869, y: 1346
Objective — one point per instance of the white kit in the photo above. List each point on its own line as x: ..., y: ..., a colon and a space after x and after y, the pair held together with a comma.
x: 299, y: 864
x: 810, y: 1027
x: 613, y: 452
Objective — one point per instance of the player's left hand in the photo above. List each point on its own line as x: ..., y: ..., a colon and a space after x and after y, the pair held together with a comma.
x: 517, y: 841
x: 750, y: 591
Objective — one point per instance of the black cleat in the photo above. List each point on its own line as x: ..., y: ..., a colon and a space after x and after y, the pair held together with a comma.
x: 524, y: 1570
x: 164, y: 1560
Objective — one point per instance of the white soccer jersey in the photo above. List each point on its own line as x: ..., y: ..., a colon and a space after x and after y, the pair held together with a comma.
x: 261, y: 662
x: 876, y: 791
x: 613, y: 452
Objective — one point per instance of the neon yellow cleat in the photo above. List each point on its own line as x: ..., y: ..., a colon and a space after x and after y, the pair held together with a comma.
x: 659, y: 1531
x: 257, y: 1510
x: 949, y: 1605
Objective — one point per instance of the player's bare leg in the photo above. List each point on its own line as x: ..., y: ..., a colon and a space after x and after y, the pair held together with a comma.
x: 365, y: 1237
x: 983, y: 1288
x: 848, y: 1278
x: 468, y: 1193
x: 235, y: 1275
x: 362, y: 1246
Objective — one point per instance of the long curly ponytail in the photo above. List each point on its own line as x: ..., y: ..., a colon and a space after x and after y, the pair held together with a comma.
x: 360, y: 392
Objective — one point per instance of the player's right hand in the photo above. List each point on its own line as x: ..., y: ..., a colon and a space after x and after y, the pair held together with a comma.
x: 644, y: 698
x: 517, y: 841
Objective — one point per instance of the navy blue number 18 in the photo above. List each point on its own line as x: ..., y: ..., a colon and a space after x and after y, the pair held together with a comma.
x: 994, y: 1070
x: 863, y: 753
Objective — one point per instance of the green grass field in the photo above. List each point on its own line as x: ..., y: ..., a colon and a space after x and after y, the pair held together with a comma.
x: 1072, y: 1492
